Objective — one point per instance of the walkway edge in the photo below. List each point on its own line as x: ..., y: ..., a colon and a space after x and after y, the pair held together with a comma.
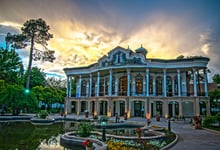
x: 211, y: 130
x: 171, y: 144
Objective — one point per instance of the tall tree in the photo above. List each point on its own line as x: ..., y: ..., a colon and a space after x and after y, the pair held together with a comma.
x: 36, y: 32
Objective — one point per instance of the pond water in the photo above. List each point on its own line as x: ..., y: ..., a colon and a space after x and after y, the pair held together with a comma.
x: 25, y: 136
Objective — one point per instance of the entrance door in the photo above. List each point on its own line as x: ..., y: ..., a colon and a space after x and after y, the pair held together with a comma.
x: 122, y: 108
x: 137, y: 108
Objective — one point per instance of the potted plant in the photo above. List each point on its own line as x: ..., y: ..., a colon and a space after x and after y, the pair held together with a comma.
x: 86, y: 113
x: 88, y: 144
x: 158, y: 116
x: 138, y: 131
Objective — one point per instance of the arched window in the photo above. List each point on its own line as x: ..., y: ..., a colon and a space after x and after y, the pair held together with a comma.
x: 139, y: 84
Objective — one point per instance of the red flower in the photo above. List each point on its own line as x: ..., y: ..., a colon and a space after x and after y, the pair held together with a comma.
x: 87, y: 143
x: 138, y: 130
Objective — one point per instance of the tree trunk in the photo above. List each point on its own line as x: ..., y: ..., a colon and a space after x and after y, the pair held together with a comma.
x: 30, y: 64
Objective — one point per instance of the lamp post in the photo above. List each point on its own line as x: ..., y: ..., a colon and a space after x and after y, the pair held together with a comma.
x: 169, y: 126
x: 103, y: 123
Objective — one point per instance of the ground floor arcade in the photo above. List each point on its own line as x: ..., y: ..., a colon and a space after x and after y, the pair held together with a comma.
x: 139, y: 106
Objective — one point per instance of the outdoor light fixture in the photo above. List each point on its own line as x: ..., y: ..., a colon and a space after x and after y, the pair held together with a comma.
x: 103, y: 124
x: 26, y: 91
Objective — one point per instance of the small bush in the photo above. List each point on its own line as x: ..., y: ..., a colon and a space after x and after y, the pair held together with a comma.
x: 43, y: 114
x: 84, y: 129
x: 208, y: 121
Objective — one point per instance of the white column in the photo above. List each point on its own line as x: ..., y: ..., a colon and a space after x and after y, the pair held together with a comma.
x: 180, y: 108
x: 133, y: 86
x: 80, y: 84
x: 87, y: 88
x: 164, y: 83
x: 179, y: 82
x: 70, y: 89
x: 194, y: 82
x: 128, y: 85
x: 116, y: 86
x: 147, y: 82
x: 88, y: 102
x: 98, y: 84
x: 197, y: 107
x: 67, y: 86
x: 205, y: 83
x: 78, y: 109
x: 90, y: 85
x: 110, y: 83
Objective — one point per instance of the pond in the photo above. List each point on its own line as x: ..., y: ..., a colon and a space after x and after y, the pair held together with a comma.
x: 25, y: 136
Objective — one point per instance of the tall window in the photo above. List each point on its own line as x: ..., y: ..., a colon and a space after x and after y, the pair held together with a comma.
x: 101, y: 87
x: 83, y: 90
x: 176, y: 85
x: 113, y: 85
x: 106, y: 86
x: 93, y: 87
x: 169, y: 86
x: 159, y: 85
x: 150, y: 85
x: 139, y: 84
x: 123, y: 86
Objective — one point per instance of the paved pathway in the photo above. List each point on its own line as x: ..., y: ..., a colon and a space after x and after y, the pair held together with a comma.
x: 190, y: 138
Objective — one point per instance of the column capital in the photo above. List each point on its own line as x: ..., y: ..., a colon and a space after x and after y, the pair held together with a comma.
x: 164, y: 71
x: 147, y: 70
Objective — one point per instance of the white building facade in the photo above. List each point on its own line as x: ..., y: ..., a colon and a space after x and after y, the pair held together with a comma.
x: 125, y: 81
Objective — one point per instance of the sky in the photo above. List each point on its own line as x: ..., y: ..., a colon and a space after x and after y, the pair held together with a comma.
x: 85, y: 30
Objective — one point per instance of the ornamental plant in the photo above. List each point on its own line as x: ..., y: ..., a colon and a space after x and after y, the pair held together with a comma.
x: 87, y: 143
x: 138, y: 130
x: 84, y: 129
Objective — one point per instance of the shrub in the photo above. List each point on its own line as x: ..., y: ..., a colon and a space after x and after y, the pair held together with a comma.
x: 84, y: 129
x: 208, y: 121
x: 43, y: 114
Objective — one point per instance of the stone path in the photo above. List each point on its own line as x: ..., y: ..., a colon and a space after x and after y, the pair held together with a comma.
x: 190, y: 138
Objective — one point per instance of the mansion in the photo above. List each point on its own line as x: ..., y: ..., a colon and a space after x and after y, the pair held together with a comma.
x: 126, y: 81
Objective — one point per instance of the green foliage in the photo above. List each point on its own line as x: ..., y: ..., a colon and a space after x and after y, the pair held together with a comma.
x: 207, y: 122
x: 43, y: 114
x: 84, y: 129
x: 14, y: 97
x: 11, y: 67
x: 37, y: 77
x: 216, y: 78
